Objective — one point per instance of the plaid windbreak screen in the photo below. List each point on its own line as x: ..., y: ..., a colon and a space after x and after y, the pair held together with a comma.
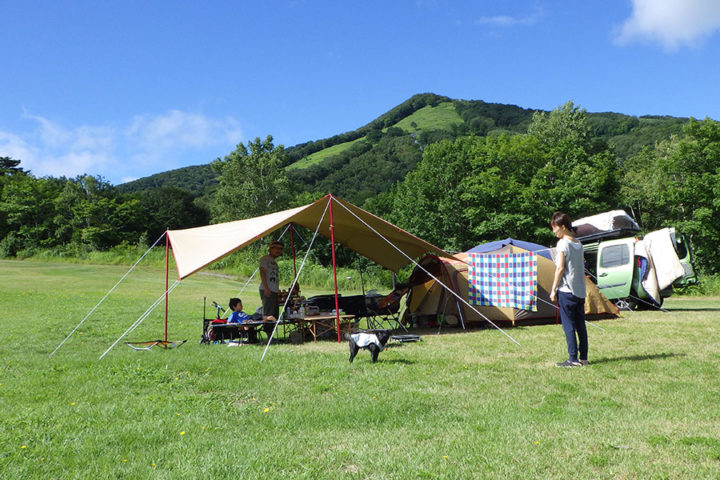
x: 503, y: 280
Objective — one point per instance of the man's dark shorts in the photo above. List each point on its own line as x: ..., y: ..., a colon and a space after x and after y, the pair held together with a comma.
x: 270, y: 304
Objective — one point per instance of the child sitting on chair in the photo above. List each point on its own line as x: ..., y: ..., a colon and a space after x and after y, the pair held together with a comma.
x: 239, y: 317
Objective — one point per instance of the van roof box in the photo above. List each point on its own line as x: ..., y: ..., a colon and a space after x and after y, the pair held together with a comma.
x: 612, y: 224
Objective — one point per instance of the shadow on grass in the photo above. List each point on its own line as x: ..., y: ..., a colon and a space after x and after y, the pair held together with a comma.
x: 402, y: 361
x: 701, y: 309
x: 395, y: 344
x: 638, y: 358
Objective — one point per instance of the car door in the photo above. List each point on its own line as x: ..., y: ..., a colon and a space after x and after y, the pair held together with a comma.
x: 615, y: 267
x: 685, y: 254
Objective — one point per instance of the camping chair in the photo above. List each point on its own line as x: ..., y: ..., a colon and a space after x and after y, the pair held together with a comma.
x: 384, y: 312
x: 207, y: 323
x: 218, y: 330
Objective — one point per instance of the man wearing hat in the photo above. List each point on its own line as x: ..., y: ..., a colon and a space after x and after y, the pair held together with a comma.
x: 270, y: 282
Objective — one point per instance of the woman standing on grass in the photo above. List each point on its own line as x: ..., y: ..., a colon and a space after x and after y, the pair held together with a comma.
x: 569, y: 289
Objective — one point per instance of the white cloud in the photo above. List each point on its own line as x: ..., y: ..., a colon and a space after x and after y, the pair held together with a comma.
x: 180, y: 129
x: 505, y: 21
x: 74, y: 163
x: 14, y: 146
x: 51, y: 134
x: 148, y: 144
x: 51, y: 149
x: 672, y: 23
x: 85, y: 137
x: 510, y: 21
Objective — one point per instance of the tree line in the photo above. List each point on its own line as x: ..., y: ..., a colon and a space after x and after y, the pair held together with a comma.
x: 454, y: 191
x: 76, y: 215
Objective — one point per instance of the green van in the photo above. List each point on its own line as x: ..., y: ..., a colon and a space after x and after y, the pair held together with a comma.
x: 635, y: 272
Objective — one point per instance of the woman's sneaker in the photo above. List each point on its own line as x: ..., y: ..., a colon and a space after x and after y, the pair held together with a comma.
x: 568, y: 363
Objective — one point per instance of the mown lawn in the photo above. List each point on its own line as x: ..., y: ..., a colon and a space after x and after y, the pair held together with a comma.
x: 456, y: 405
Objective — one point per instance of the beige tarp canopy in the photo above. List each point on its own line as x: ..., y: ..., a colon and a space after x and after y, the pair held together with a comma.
x: 195, y: 248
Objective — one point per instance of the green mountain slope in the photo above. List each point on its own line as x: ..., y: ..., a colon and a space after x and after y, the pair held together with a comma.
x: 318, y: 157
x: 442, y: 116
x: 197, y: 180
x: 438, y: 117
x: 364, y: 162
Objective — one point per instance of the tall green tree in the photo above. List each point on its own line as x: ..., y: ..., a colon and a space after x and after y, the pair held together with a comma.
x: 564, y: 130
x: 9, y: 166
x: 170, y: 207
x: 427, y: 203
x: 479, y: 189
x: 495, y: 196
x: 9, y: 170
x: 573, y: 174
x: 252, y: 181
x: 26, y: 213
x: 90, y: 213
x: 678, y: 184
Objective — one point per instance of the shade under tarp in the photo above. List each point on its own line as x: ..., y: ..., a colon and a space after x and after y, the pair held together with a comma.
x: 195, y: 248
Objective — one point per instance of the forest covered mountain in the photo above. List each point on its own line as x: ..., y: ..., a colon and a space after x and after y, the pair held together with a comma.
x: 453, y: 172
x: 358, y: 165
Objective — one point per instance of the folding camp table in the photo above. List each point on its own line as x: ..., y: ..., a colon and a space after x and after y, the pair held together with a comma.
x: 319, y: 325
x: 380, y: 312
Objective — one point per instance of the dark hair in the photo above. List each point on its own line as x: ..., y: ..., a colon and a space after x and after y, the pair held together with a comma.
x: 233, y: 302
x: 276, y: 243
x: 562, y: 220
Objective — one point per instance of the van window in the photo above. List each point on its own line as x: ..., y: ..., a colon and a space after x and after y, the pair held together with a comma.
x: 680, y: 249
x: 614, y: 256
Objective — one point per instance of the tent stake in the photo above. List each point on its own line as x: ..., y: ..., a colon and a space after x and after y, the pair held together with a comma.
x: 332, y: 250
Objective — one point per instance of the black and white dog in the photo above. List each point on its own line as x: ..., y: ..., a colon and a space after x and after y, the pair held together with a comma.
x: 374, y: 341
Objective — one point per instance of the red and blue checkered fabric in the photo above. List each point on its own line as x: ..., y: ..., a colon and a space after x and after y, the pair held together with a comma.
x: 503, y: 280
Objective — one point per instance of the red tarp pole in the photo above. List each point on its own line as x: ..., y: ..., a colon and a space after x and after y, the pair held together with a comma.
x: 292, y: 245
x: 332, y: 249
x: 167, y: 254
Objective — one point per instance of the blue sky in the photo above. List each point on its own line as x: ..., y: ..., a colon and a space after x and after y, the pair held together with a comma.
x: 125, y: 89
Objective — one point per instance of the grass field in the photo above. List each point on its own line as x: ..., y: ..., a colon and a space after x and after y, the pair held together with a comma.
x: 319, y: 157
x: 441, y: 117
x: 456, y: 405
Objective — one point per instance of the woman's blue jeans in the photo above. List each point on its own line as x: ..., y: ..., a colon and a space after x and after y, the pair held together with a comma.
x: 572, y: 316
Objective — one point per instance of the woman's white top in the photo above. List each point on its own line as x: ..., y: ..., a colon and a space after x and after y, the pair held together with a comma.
x: 573, y: 279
